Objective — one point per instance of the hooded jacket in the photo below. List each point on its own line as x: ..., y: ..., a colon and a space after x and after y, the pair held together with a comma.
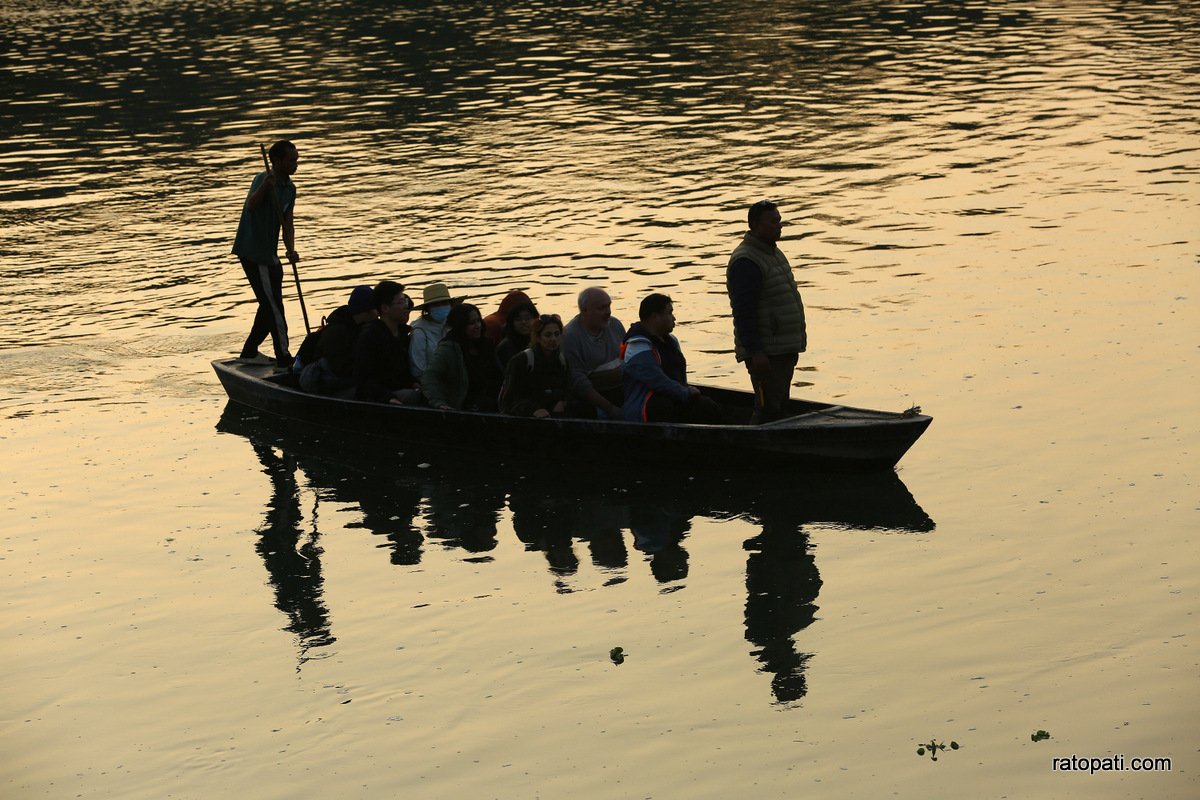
x: 493, y: 324
x: 651, y: 364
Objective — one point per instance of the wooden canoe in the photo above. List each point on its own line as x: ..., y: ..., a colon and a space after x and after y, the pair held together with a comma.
x: 814, y: 437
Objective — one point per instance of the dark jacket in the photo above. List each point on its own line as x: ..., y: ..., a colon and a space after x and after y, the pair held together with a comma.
x: 534, y: 379
x: 460, y: 379
x: 337, y: 342
x: 381, y: 362
x: 509, y: 346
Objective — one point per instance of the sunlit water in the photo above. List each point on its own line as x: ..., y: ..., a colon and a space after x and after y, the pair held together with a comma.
x: 993, y: 212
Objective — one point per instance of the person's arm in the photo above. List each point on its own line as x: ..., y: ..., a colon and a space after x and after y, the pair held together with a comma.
x: 337, y: 348
x: 433, y: 379
x: 407, y: 380
x: 572, y: 347
x: 367, y: 366
x: 289, y: 237
x: 692, y: 390
x: 603, y: 403
x: 580, y: 383
x: 517, y: 400
x: 642, y: 367
x: 418, y: 352
x: 258, y: 190
x: 745, y: 285
x: 564, y: 390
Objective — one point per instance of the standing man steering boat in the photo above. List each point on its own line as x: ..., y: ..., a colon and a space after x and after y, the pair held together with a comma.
x: 768, y: 315
x: 263, y: 217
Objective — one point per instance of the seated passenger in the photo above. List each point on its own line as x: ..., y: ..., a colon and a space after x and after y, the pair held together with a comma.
x: 381, y: 353
x: 592, y: 346
x: 537, y: 380
x: 655, y: 371
x: 333, y: 371
x: 493, y: 324
x: 462, y: 374
x: 429, y: 328
x: 517, y: 331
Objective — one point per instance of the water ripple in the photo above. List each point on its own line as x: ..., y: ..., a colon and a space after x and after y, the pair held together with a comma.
x: 549, y: 147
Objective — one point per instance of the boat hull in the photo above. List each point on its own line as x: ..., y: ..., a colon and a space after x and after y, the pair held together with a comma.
x: 820, y: 437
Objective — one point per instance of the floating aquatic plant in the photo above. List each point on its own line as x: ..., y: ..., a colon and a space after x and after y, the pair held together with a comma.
x: 933, y: 747
x: 1039, y: 736
x: 617, y: 654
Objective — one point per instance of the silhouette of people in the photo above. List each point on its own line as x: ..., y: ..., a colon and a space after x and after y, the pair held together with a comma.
x: 292, y: 557
x: 553, y: 511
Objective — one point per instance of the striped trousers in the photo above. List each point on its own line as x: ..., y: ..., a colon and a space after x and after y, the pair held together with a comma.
x: 267, y: 282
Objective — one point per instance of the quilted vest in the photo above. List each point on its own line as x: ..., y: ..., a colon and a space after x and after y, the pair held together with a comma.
x: 780, y: 309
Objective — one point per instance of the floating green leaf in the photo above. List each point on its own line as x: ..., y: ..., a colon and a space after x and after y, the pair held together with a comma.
x: 617, y: 654
x: 932, y: 747
x: 1039, y: 736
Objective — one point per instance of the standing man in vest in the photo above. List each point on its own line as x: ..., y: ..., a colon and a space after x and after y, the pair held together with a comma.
x: 257, y: 237
x: 768, y: 315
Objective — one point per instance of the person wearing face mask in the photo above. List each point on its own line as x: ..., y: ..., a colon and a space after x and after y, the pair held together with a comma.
x: 428, y: 329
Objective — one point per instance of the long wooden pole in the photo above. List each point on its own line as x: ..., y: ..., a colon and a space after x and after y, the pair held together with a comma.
x: 279, y: 213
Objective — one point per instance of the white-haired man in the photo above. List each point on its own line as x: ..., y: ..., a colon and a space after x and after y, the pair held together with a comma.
x: 591, y: 344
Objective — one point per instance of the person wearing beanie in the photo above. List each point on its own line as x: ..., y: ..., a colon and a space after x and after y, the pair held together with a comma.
x: 333, y: 372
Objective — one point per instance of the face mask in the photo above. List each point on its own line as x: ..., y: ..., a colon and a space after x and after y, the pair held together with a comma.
x: 439, y: 314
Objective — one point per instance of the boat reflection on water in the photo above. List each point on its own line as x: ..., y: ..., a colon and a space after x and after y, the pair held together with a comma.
x: 456, y: 503
x: 292, y: 555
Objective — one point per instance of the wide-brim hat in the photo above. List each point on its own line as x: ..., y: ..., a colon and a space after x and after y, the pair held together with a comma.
x: 437, y: 293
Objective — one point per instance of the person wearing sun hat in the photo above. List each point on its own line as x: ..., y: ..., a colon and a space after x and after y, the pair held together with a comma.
x: 428, y: 329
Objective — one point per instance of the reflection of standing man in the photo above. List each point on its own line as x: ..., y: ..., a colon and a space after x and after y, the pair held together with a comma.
x: 768, y: 315
x: 257, y: 237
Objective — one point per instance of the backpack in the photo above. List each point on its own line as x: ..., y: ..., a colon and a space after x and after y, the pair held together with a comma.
x: 310, y: 348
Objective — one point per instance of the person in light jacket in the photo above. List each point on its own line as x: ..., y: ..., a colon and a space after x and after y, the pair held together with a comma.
x: 429, y: 328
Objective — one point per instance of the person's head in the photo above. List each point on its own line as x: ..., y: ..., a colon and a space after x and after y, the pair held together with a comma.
x: 362, y: 303
x: 595, y: 309
x: 520, y: 321
x: 464, y: 324
x: 284, y: 157
x: 510, y: 301
x: 436, y: 302
x: 547, y: 332
x: 765, y: 221
x: 392, y: 304
x: 657, y: 314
